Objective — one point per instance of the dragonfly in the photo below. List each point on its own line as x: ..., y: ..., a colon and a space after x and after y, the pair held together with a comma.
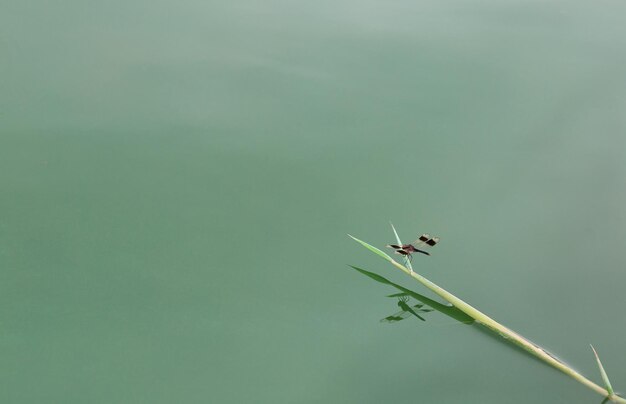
x: 407, y: 310
x: 424, y: 241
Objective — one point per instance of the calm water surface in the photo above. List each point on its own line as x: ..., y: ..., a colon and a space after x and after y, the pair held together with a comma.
x: 177, y: 181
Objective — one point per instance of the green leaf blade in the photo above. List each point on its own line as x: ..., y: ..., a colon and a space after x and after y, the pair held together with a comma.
x: 373, y: 249
x: 605, y: 377
x: 407, y: 261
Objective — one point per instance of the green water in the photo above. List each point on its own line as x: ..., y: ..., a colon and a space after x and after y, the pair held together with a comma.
x: 177, y: 180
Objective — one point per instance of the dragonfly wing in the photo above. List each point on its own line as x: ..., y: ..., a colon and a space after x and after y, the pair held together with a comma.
x: 422, y: 239
x: 425, y: 240
x: 394, y: 318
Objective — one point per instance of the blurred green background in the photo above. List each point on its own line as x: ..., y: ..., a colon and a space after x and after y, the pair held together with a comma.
x: 177, y: 180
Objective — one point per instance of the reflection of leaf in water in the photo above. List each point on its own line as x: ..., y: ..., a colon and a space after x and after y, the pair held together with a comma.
x: 450, y: 311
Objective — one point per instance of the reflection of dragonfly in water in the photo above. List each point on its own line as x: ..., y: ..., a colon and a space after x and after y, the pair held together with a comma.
x: 407, y: 310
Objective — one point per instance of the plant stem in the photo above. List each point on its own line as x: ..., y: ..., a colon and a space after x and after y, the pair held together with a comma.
x: 509, y: 334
